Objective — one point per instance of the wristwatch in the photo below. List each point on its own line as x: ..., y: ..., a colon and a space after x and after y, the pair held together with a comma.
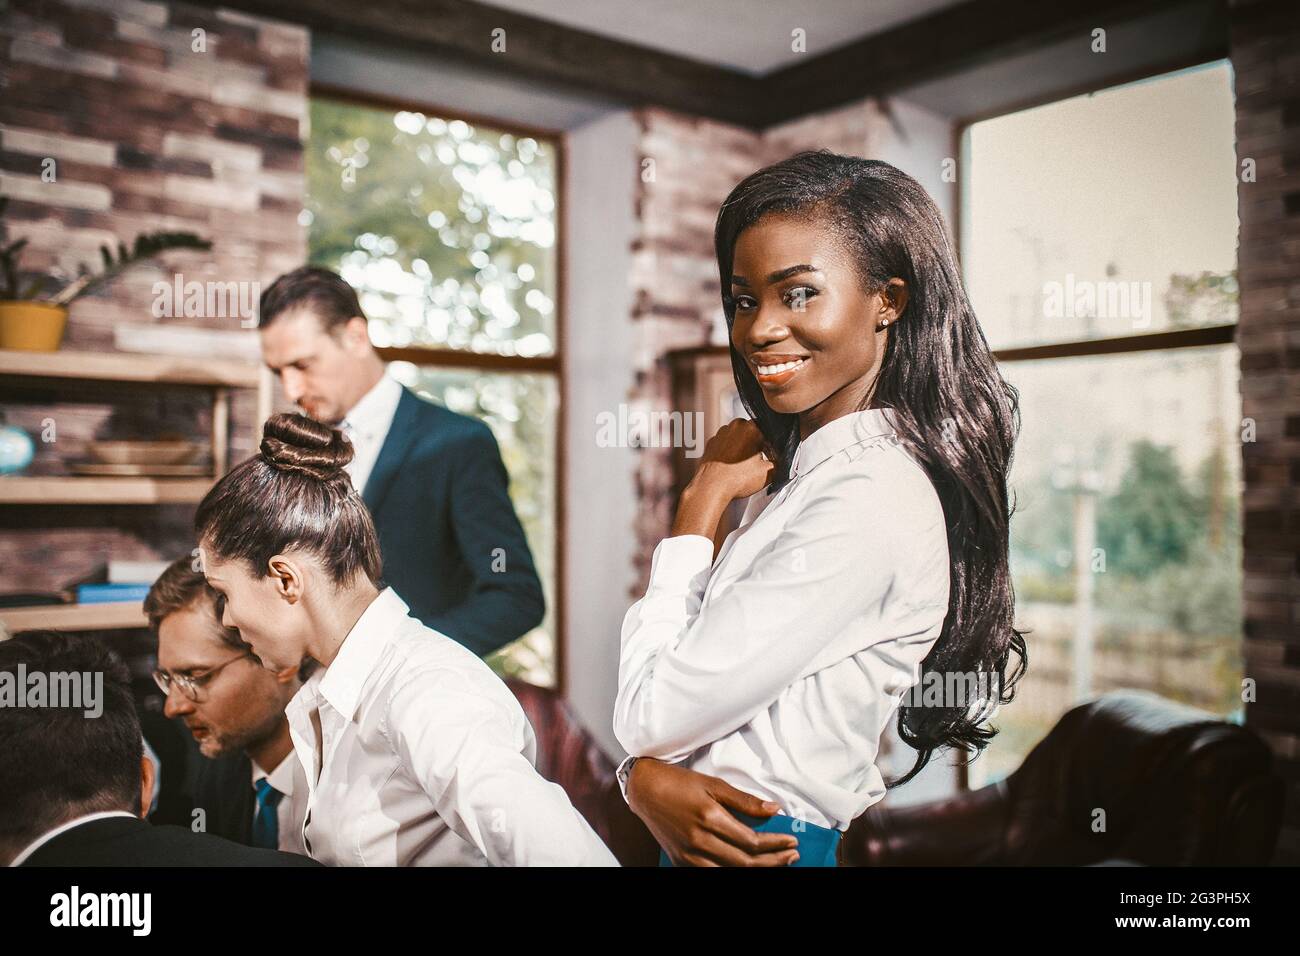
x: 623, y: 772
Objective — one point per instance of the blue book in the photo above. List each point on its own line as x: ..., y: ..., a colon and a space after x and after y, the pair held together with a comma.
x: 109, y: 593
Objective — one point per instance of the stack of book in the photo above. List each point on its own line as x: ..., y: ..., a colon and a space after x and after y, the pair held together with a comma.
x: 127, y: 581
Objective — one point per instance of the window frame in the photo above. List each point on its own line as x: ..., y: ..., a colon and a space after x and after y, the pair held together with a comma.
x: 552, y: 365
x: 1225, y: 334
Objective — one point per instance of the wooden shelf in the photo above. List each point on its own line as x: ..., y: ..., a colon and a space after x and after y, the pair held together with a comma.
x: 22, y: 490
x: 118, y: 615
x: 127, y: 367
x: 218, y: 376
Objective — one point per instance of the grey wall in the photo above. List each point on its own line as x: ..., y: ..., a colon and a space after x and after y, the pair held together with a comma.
x: 601, y: 493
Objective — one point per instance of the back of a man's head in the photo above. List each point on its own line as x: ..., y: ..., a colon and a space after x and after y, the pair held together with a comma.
x: 62, y: 755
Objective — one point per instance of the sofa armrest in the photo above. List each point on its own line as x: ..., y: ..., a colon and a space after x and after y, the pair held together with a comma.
x: 964, y: 830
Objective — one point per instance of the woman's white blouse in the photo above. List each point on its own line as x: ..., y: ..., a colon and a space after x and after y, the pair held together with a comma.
x: 778, y: 667
x: 417, y: 754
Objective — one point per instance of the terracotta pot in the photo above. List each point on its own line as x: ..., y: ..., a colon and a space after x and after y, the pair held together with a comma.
x: 32, y: 326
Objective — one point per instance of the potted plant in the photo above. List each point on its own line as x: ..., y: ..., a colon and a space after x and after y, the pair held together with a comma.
x: 35, y: 324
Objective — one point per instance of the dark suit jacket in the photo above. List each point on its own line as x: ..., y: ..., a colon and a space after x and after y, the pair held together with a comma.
x: 223, y: 789
x: 439, y: 497
x: 124, y: 841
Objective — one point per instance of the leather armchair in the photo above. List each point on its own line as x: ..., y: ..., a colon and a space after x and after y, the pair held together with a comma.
x: 1178, y: 787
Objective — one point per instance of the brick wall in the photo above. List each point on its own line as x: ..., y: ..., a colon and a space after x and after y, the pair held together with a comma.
x: 158, y: 116
x: 1265, y: 50
x: 688, y: 165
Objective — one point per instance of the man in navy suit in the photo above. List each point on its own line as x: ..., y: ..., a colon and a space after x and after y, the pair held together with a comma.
x: 433, y: 479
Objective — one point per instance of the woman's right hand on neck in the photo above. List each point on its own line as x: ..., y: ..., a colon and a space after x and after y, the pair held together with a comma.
x: 736, y: 463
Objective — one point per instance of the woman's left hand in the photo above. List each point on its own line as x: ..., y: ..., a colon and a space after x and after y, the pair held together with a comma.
x: 692, y: 817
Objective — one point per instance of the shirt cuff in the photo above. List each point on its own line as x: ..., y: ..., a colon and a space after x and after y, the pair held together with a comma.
x: 624, y: 768
x: 678, y: 560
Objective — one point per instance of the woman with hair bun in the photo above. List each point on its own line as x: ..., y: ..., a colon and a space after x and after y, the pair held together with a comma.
x: 416, y: 753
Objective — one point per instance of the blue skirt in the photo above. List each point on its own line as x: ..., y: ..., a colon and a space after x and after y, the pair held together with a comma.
x: 817, y: 845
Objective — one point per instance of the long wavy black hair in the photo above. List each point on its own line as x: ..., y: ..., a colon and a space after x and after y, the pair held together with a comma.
x: 955, y: 412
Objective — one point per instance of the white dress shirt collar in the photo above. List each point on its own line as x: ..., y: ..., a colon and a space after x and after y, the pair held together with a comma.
x: 342, y: 682
x: 420, y: 754
x: 281, y: 777
x: 372, y: 415
x: 45, y: 838
x: 367, y: 426
x: 844, y: 432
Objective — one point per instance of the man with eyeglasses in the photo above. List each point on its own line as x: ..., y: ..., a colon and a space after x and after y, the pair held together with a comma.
x: 251, y: 788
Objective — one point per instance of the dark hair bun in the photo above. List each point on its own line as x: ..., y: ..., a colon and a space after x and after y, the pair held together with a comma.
x: 300, y: 445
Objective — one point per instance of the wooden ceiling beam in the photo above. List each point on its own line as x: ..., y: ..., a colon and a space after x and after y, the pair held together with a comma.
x: 463, y: 31
x: 955, y: 38
x: 950, y: 40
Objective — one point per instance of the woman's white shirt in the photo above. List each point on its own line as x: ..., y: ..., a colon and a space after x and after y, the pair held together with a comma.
x: 417, y: 754
x: 778, y: 667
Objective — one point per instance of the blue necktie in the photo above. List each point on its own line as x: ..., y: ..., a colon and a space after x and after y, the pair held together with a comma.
x: 266, y: 824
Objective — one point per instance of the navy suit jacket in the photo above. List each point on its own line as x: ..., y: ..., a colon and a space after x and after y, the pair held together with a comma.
x: 123, y: 841
x: 224, y: 789
x: 452, y: 544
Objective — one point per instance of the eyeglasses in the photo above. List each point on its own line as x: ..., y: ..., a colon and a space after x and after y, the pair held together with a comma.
x: 191, y: 684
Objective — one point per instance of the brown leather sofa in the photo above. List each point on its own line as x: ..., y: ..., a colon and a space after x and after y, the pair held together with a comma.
x: 1177, y: 786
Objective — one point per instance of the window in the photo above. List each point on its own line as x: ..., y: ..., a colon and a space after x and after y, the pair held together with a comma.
x: 1099, y: 246
x: 447, y: 229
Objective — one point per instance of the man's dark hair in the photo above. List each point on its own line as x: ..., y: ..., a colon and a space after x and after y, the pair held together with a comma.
x: 331, y: 299
x: 55, y: 762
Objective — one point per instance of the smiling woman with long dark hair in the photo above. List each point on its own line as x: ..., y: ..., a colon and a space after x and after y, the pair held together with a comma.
x: 873, y: 553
